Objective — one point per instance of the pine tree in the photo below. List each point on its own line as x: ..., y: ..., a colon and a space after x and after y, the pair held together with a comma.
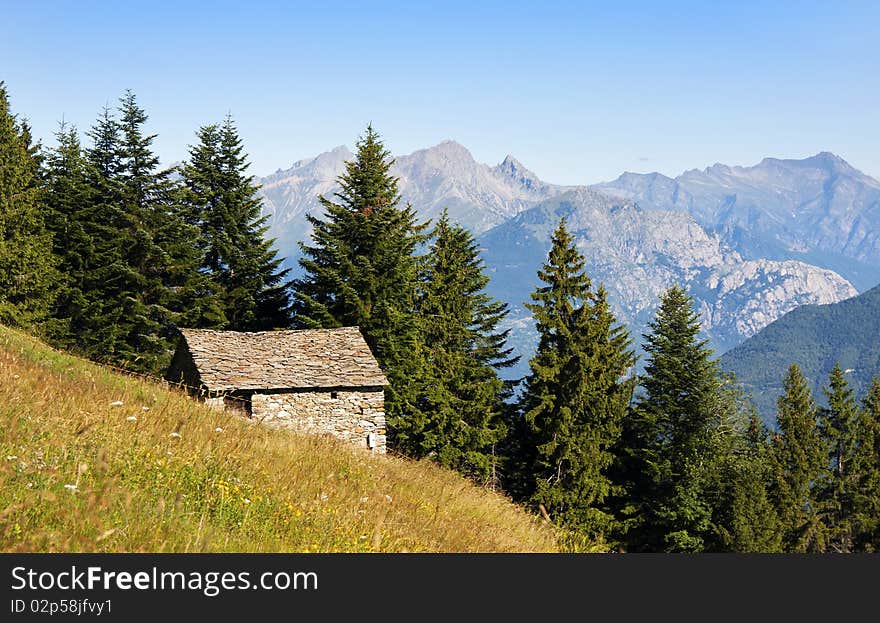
x: 242, y: 265
x: 27, y: 272
x: 99, y: 330
x: 361, y: 269
x: 798, y: 460
x: 745, y: 519
x: 143, y: 275
x: 575, y: 395
x: 674, y: 433
x: 125, y: 167
x: 838, y: 428
x: 460, y: 417
x: 70, y: 201
x: 866, y: 468
x: 165, y: 259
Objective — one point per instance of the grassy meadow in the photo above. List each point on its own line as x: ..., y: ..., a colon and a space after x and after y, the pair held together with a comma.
x: 92, y: 460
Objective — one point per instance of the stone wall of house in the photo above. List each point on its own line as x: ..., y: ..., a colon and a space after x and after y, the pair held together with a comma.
x: 355, y: 416
x: 230, y: 402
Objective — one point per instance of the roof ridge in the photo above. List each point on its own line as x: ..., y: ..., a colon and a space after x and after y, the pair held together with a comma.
x: 266, y: 331
x: 283, y: 359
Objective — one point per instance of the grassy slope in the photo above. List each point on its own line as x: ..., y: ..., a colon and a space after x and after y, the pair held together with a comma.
x: 244, y: 488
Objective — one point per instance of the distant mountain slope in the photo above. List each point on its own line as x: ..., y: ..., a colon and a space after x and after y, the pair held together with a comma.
x: 288, y: 195
x: 638, y: 254
x: 820, y: 210
x: 815, y: 337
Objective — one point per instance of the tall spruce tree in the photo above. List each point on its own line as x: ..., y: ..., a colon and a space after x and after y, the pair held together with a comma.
x: 70, y: 202
x: 866, y: 499
x: 144, y: 274
x: 838, y: 428
x: 135, y: 189
x: 461, y: 408
x: 674, y: 434
x: 798, y: 460
x: 361, y: 269
x: 744, y: 517
x: 100, y: 333
x: 221, y: 200
x: 575, y: 395
x: 27, y: 265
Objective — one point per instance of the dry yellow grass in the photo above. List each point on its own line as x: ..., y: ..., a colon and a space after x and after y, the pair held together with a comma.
x: 160, y: 473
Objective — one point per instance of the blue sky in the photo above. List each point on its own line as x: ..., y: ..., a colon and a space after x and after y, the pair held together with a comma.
x: 578, y: 91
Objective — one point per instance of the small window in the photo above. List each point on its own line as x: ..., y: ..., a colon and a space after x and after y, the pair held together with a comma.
x: 334, y: 395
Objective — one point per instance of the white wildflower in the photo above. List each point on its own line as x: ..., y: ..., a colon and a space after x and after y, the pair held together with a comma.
x: 218, y: 430
x: 145, y: 408
x: 70, y: 487
x: 389, y: 498
x: 365, y: 499
x: 131, y: 418
x: 324, y: 497
x: 105, y: 534
x: 247, y: 501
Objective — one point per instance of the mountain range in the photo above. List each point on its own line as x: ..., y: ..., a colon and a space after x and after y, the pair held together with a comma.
x: 820, y: 210
x: 750, y: 243
x: 444, y: 176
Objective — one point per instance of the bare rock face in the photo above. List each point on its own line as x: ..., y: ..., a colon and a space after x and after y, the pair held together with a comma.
x: 750, y: 295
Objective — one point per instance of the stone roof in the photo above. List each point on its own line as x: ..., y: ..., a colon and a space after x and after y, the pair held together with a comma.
x: 309, y: 358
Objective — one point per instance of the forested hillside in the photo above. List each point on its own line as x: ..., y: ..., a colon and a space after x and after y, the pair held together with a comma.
x: 816, y: 337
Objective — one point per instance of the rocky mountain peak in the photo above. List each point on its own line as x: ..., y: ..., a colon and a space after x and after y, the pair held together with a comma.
x: 819, y: 207
x: 447, y: 151
x: 628, y: 179
x: 328, y: 163
x: 340, y: 150
x: 513, y: 169
x: 832, y: 163
x: 512, y: 166
x: 338, y: 154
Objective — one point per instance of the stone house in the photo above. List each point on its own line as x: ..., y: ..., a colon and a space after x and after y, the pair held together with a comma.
x: 313, y: 380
